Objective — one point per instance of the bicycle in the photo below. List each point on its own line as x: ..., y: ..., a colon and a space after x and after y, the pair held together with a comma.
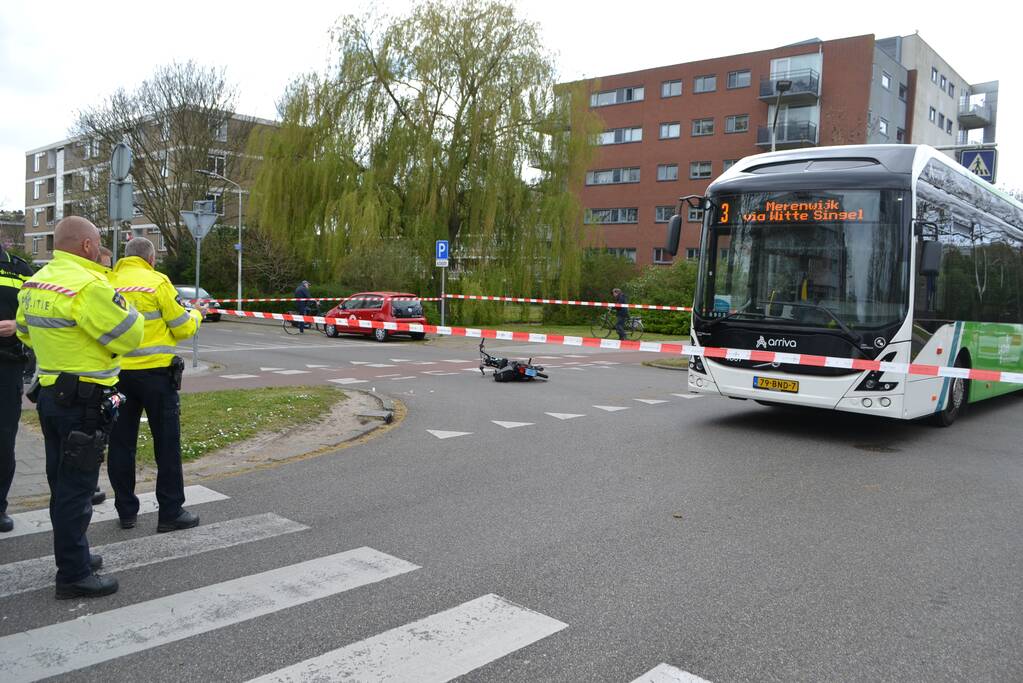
x: 292, y: 326
x: 605, y: 325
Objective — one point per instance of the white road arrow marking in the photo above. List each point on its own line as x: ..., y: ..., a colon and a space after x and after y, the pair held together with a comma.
x: 565, y: 416
x: 665, y: 673
x: 511, y: 425
x: 650, y: 401
x: 612, y: 409
x: 441, y: 434
x: 688, y: 395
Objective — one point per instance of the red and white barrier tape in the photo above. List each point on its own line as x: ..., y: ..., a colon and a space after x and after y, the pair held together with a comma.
x: 567, y: 302
x: 319, y: 298
x: 653, y: 347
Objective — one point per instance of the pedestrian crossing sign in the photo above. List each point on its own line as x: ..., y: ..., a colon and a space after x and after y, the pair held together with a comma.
x: 980, y: 162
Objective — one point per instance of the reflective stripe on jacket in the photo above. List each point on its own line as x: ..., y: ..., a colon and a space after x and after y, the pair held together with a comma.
x: 166, y: 320
x: 75, y: 321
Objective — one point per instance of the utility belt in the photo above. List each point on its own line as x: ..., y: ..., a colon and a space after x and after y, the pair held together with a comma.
x: 175, y: 371
x: 84, y: 448
x: 13, y: 353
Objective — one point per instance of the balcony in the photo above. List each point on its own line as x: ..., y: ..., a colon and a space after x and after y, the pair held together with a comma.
x: 806, y: 86
x: 973, y: 115
x: 791, y: 134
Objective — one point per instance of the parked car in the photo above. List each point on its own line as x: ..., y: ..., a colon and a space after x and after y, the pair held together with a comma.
x: 394, y: 307
x: 187, y: 294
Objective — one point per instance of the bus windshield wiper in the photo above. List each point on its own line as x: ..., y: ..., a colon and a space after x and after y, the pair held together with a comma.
x: 852, y: 336
x: 739, y: 311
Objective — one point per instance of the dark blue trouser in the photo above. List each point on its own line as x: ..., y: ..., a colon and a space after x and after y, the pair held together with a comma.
x: 71, y: 489
x: 621, y: 320
x: 152, y: 391
x: 302, y: 307
x: 10, y: 412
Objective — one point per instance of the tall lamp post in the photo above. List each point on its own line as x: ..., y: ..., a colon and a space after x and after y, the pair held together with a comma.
x: 238, y: 189
x: 781, y: 86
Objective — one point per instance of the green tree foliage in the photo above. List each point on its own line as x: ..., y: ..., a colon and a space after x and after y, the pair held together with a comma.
x: 443, y: 124
x: 672, y: 285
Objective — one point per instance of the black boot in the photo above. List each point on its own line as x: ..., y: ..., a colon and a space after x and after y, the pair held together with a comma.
x: 6, y: 523
x: 94, y: 586
x: 184, y: 520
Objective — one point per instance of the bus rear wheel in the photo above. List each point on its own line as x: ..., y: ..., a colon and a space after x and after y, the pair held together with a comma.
x: 958, y: 397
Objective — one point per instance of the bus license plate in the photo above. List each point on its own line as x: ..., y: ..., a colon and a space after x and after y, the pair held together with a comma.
x: 772, y: 384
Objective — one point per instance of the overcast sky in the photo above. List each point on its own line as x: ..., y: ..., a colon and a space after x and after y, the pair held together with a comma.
x: 58, y: 56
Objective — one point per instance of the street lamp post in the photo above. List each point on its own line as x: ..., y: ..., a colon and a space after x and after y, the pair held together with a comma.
x: 780, y: 86
x: 238, y: 189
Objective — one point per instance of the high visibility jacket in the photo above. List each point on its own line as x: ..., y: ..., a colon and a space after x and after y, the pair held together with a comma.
x: 154, y: 297
x: 13, y: 273
x: 74, y: 320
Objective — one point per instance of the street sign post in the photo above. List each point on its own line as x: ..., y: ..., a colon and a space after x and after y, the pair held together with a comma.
x: 441, y: 255
x: 199, y: 223
x: 121, y: 191
x: 980, y: 162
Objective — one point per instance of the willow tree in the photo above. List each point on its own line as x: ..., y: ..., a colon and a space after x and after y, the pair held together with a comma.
x: 446, y: 123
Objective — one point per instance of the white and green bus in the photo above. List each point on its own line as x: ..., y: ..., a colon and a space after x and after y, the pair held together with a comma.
x: 883, y: 252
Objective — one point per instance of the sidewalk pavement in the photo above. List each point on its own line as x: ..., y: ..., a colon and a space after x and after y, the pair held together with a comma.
x: 30, y: 459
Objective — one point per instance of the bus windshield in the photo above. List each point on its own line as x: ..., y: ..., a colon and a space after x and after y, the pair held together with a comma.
x: 818, y: 258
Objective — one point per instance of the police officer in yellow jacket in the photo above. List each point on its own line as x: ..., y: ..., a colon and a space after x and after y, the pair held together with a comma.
x: 13, y: 273
x: 79, y: 328
x: 150, y: 379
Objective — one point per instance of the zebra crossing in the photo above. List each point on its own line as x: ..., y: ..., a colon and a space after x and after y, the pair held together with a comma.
x: 437, y: 647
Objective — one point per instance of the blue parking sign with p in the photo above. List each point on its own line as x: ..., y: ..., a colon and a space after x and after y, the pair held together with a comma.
x: 442, y: 249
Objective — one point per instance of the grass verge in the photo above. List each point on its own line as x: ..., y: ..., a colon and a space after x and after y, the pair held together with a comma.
x: 215, y: 419
x: 680, y: 363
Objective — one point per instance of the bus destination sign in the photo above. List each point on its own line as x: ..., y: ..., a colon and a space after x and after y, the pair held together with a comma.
x: 818, y: 211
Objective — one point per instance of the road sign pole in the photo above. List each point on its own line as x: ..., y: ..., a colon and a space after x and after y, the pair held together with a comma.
x: 195, y: 337
x: 443, y: 299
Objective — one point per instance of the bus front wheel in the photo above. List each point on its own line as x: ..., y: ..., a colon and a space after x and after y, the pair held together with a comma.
x: 958, y: 396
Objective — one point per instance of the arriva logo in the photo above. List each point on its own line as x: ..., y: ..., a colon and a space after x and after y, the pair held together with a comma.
x: 764, y: 343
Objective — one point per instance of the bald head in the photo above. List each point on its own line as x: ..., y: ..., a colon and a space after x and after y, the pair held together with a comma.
x: 141, y: 247
x: 77, y: 236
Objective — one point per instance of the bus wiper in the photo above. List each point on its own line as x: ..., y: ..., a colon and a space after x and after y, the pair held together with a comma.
x: 851, y: 335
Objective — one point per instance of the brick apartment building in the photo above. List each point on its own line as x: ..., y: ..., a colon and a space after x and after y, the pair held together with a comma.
x: 62, y: 176
x: 669, y: 131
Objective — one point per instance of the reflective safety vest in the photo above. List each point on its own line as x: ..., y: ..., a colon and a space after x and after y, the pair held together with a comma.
x: 75, y: 321
x: 154, y: 297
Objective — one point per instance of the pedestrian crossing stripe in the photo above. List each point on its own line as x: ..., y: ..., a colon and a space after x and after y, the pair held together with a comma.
x: 71, y: 645
x: 37, y: 521
x: 438, y: 648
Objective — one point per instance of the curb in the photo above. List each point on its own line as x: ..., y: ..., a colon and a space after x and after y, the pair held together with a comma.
x: 661, y: 366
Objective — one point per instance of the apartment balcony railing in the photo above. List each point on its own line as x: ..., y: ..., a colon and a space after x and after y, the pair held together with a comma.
x: 806, y: 86
x: 972, y: 115
x: 790, y: 134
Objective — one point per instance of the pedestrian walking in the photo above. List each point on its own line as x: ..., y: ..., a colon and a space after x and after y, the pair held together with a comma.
x: 621, y: 312
x: 150, y: 379
x: 79, y: 328
x: 302, y: 293
x: 13, y: 356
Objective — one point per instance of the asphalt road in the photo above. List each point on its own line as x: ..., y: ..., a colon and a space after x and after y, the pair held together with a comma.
x: 617, y: 526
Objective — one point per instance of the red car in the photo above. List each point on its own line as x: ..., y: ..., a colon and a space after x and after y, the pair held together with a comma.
x: 392, y: 307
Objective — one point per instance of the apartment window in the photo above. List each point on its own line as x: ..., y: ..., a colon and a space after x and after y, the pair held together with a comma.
x: 692, y: 254
x: 948, y: 126
x: 694, y: 215
x: 944, y: 83
x: 661, y: 255
x: 667, y: 172
x: 35, y: 246
x: 623, y: 252
x: 618, y: 136
x: 163, y: 245
x: 699, y: 169
x: 900, y: 135
x: 934, y: 75
x: 903, y: 91
x: 87, y: 179
x: 217, y: 163
x: 613, y: 176
x: 612, y: 216
x: 35, y: 217
x: 663, y: 214
x: 671, y: 88
x: 932, y: 114
x: 619, y: 96
x: 739, y: 79
x: 37, y: 189
x: 705, y: 84
x: 69, y: 182
x: 703, y: 127
x: 49, y: 243
x: 951, y: 89
x: 670, y: 130
x: 51, y: 158
x: 69, y: 209
x: 737, y: 124
x: 882, y: 127
x: 218, y: 201
x: 165, y: 130
x: 728, y: 163
x: 724, y: 254
x: 886, y: 80
x: 51, y: 214
x: 221, y: 133
x: 93, y: 148
x: 941, y: 120
x: 51, y: 187
x: 164, y: 158
x: 37, y: 161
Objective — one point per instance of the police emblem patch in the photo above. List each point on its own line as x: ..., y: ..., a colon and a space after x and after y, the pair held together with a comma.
x: 119, y: 300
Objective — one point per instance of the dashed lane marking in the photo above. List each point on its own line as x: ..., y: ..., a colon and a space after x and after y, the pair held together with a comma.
x: 565, y: 416
x: 379, y: 365
x: 348, y: 380
x: 398, y: 379
x: 650, y: 401
x: 239, y: 376
x: 393, y: 374
x: 511, y: 425
x: 612, y: 409
x: 312, y: 365
x: 270, y: 369
x: 291, y: 372
x: 688, y: 395
x: 442, y: 434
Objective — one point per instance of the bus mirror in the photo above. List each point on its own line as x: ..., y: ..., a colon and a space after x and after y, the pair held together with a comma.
x: 919, y: 225
x: 930, y: 257
x: 674, y: 234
